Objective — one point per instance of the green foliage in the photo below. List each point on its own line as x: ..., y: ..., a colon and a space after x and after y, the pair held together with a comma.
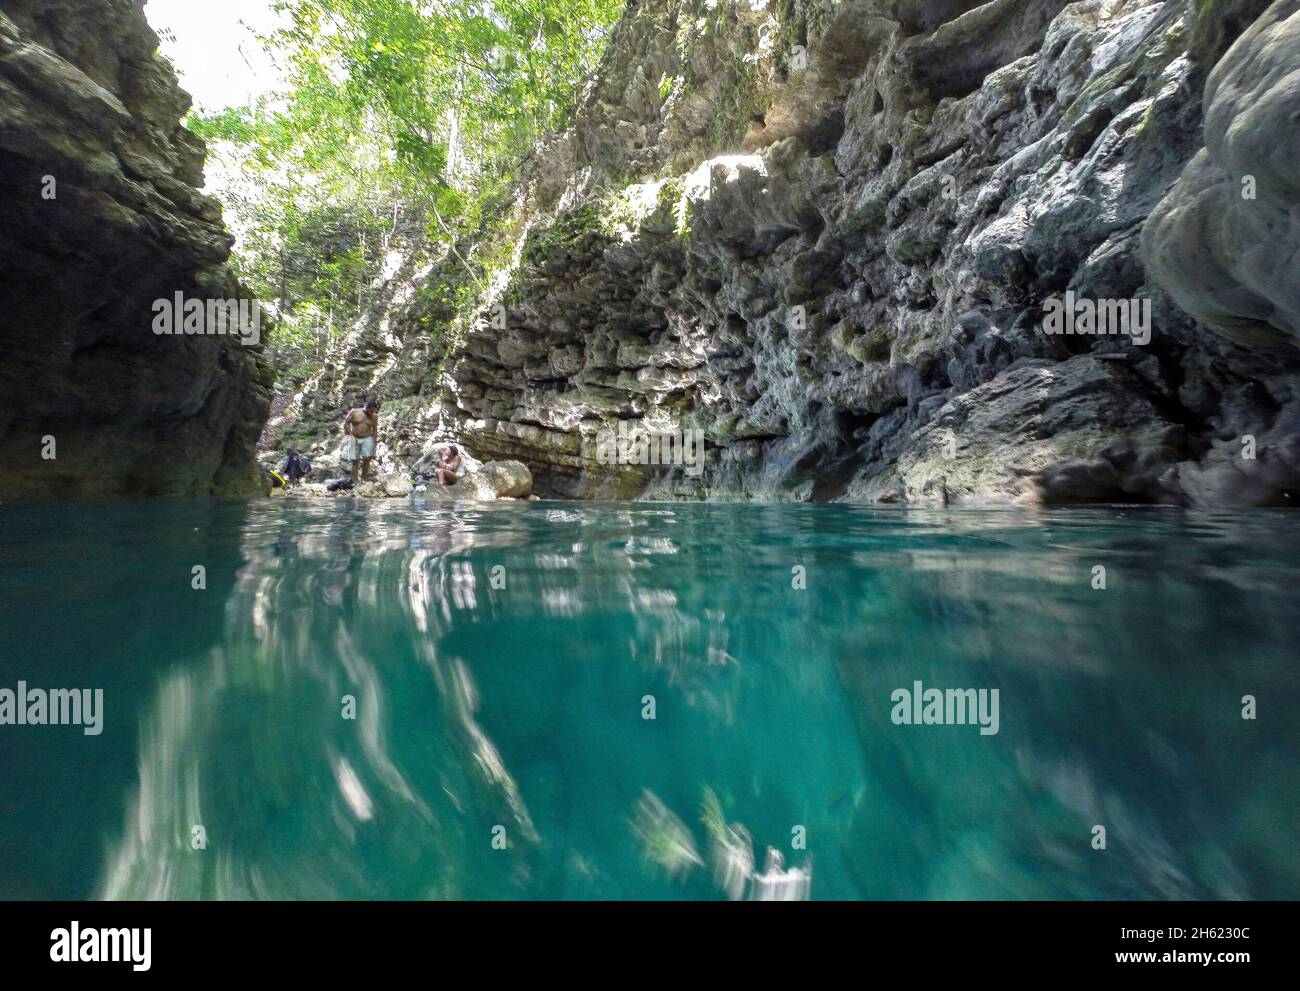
x: 402, y: 124
x: 566, y: 231
x: 740, y: 101
x: 673, y: 194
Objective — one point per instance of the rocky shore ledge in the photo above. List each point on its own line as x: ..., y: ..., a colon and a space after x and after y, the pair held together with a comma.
x: 482, y: 483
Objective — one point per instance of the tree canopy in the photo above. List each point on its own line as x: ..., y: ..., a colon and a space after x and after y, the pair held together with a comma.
x: 400, y: 119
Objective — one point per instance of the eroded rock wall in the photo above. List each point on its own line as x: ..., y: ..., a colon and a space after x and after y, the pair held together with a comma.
x: 1225, y: 242
x: 824, y: 235
x: 103, y: 216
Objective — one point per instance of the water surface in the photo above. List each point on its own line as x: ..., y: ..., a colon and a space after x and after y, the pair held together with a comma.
x: 502, y: 660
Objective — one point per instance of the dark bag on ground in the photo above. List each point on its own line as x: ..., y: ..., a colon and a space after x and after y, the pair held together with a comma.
x: 296, y: 466
x: 338, y: 483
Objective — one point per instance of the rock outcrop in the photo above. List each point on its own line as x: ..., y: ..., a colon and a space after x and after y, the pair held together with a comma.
x: 486, y: 483
x: 1225, y: 242
x: 826, y: 237
x: 507, y: 479
x: 100, y: 186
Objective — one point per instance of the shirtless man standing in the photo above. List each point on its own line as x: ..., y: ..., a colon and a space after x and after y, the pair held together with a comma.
x: 361, y: 429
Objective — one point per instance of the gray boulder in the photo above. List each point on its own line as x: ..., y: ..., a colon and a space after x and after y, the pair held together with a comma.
x: 1225, y: 241
x: 506, y: 479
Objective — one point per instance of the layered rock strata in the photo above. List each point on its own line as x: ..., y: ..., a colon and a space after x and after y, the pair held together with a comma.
x: 103, y: 218
x: 834, y: 241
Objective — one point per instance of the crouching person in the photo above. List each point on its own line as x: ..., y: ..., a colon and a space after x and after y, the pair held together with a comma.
x: 451, y: 467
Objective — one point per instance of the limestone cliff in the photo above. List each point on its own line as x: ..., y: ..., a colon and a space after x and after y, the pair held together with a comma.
x: 825, y: 235
x: 103, y: 217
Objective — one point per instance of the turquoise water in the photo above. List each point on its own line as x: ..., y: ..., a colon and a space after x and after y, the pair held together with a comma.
x: 500, y: 658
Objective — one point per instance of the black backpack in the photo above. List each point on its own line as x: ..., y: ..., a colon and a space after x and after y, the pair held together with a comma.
x: 296, y: 466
